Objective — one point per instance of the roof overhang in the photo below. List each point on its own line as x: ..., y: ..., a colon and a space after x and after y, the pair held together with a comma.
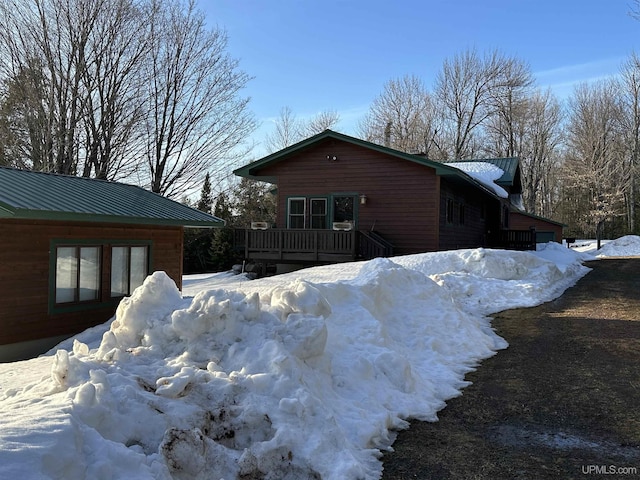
x: 252, y: 170
x: 47, y: 215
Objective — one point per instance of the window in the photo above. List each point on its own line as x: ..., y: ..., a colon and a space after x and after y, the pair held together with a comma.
x: 77, y: 274
x: 343, y: 209
x: 296, y: 213
x: 450, y: 210
x: 319, y: 213
x: 129, y: 268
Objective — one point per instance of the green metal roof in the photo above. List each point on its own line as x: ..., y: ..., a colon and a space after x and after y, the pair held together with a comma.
x: 452, y: 173
x: 26, y: 194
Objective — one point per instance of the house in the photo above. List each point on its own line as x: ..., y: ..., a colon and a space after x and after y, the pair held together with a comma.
x: 341, y: 198
x: 72, y: 247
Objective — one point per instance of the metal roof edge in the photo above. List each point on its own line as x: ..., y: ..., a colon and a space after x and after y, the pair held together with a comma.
x: 247, y: 170
x: 22, y: 214
x: 6, y: 211
x: 538, y: 217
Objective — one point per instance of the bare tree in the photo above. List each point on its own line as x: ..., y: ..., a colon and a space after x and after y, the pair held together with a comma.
x: 107, y: 87
x: 196, y: 119
x: 72, y: 81
x: 25, y: 139
x: 402, y: 117
x: 112, y: 85
x: 630, y: 94
x: 470, y: 89
x: 540, y: 154
x: 324, y: 120
x: 52, y: 34
x: 508, y: 105
x: 287, y: 131
x: 594, y: 172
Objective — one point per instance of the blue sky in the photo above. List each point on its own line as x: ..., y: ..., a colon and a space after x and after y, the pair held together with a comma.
x: 315, y: 55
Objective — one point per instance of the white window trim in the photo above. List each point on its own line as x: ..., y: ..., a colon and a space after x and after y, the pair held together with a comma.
x: 304, y: 211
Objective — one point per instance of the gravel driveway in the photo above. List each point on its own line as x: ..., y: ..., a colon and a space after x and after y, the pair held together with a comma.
x: 562, y: 402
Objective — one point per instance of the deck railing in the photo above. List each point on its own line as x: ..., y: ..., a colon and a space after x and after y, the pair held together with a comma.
x: 373, y: 245
x: 300, y: 245
x: 515, y: 239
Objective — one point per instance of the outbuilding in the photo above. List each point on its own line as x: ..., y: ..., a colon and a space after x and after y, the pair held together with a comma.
x: 71, y: 248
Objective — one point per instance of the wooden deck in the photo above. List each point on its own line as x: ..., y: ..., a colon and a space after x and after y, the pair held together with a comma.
x: 275, y: 245
x: 311, y: 246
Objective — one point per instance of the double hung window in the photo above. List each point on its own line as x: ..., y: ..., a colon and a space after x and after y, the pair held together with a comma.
x: 318, y: 213
x: 315, y: 213
x: 297, y: 212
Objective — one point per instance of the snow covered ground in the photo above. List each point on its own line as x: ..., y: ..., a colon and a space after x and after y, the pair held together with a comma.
x: 300, y: 376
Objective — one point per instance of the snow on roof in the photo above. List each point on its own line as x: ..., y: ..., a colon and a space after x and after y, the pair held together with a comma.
x: 484, y: 172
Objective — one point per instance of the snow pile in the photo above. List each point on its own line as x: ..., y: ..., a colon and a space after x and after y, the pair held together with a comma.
x: 490, y: 281
x: 627, y: 246
x: 300, y: 376
x: 484, y: 172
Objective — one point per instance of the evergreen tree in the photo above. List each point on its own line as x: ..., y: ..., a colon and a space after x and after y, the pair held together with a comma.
x: 221, y: 250
x: 254, y: 202
x: 197, y: 241
x: 206, y: 200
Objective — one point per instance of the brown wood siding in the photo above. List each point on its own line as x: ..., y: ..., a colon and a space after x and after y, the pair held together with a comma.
x: 518, y: 221
x: 24, y: 273
x: 473, y: 232
x: 402, y: 197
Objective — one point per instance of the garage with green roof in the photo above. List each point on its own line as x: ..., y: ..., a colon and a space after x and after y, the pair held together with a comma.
x: 71, y: 248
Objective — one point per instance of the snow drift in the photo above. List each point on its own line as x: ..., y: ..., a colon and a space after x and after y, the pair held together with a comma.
x: 302, y: 376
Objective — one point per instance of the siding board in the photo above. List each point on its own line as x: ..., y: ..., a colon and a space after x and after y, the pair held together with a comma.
x: 24, y: 273
x: 402, y: 197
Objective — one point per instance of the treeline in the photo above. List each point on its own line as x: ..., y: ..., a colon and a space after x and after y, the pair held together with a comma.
x: 212, y: 250
x: 579, y: 158
x: 144, y: 90
x: 115, y: 89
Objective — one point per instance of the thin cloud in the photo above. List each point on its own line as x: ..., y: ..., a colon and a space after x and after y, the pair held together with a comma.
x: 568, y: 76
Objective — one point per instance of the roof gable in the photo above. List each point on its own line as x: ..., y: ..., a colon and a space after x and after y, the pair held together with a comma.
x: 26, y: 194
x: 252, y: 169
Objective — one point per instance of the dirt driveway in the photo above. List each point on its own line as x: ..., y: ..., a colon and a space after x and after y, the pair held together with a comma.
x: 562, y: 402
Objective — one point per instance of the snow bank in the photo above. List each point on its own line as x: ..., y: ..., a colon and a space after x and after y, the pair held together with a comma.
x: 490, y: 281
x: 627, y: 246
x: 301, y: 376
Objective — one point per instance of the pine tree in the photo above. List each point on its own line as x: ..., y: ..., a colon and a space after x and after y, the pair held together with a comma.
x: 197, y: 257
x: 206, y: 200
x: 221, y: 249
